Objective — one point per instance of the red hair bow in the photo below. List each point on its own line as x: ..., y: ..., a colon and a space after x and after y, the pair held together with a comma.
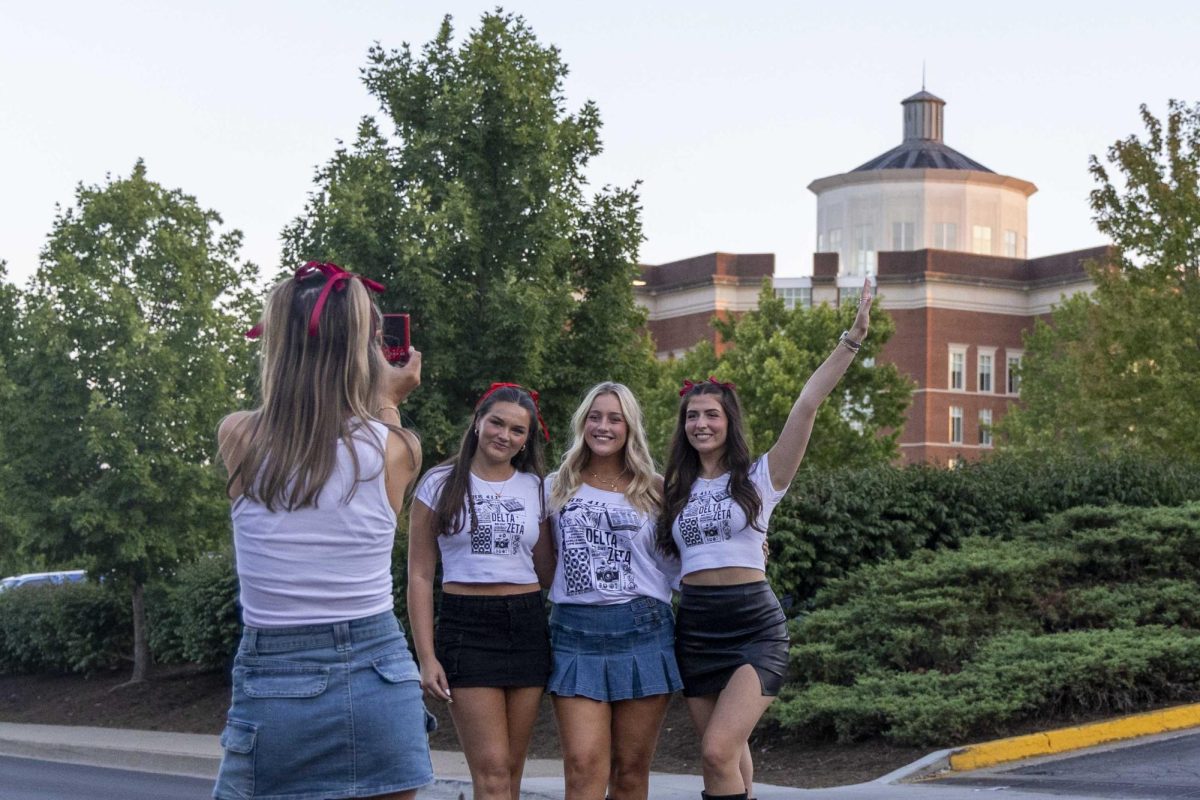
x: 533, y: 395
x: 336, y: 279
x: 689, y: 385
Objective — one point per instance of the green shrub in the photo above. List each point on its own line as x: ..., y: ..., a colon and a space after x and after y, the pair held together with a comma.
x: 74, y: 627
x: 830, y: 523
x: 195, y: 617
x: 1091, y: 611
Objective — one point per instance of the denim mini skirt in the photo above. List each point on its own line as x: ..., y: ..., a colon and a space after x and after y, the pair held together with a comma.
x: 325, y: 711
x: 493, y: 640
x: 613, y: 652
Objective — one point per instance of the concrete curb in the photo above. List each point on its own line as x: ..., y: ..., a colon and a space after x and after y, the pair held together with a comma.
x: 1045, y: 743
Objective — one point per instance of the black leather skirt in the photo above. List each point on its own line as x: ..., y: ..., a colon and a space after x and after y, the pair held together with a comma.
x: 720, y: 628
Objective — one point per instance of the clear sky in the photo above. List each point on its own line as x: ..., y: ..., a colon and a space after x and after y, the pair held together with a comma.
x: 725, y: 111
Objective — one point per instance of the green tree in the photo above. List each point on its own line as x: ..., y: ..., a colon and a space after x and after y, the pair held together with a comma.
x: 475, y: 212
x: 129, y: 353
x: 10, y: 301
x: 1121, y: 369
x: 769, y: 353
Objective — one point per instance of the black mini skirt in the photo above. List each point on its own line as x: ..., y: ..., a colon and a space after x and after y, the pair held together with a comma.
x: 720, y: 628
x: 493, y: 640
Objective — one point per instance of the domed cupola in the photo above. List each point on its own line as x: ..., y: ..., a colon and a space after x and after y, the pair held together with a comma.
x: 923, y: 147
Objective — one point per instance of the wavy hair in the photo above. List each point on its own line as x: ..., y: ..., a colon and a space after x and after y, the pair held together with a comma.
x: 683, y: 464
x: 455, y: 502
x: 643, y: 491
x: 316, y: 391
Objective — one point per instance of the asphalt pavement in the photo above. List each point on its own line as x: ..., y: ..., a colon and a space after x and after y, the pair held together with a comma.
x: 1164, y: 766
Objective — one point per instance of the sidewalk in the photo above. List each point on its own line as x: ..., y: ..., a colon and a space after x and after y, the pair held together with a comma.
x: 199, y: 755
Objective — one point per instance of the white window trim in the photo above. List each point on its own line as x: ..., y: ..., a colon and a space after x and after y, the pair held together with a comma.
x: 962, y: 426
x: 987, y: 351
x: 956, y: 348
x: 1010, y: 352
x: 986, y: 427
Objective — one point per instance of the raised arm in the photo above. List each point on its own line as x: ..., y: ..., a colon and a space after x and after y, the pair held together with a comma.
x: 788, y: 452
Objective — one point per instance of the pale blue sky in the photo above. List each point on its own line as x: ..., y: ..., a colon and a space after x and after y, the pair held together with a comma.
x: 725, y: 111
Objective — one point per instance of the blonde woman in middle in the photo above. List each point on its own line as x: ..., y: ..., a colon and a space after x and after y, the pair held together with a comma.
x: 611, y: 628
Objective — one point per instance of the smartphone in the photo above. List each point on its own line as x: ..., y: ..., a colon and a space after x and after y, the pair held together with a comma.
x: 396, y: 344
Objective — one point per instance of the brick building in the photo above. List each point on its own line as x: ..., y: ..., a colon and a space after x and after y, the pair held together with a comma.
x: 945, y: 240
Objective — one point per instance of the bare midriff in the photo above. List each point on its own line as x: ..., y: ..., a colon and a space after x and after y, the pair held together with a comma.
x: 724, y: 576
x: 489, y: 589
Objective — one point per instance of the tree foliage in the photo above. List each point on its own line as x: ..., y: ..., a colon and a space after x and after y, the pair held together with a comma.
x: 474, y: 212
x: 770, y: 353
x: 1121, y: 368
x: 127, y: 355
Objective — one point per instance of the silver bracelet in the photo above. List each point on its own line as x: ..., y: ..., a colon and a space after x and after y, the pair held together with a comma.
x: 850, y: 344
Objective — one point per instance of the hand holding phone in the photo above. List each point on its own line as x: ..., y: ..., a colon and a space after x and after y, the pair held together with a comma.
x: 397, y: 346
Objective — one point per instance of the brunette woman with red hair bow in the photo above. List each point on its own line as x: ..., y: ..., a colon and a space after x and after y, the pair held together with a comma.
x: 731, y: 637
x: 489, y: 658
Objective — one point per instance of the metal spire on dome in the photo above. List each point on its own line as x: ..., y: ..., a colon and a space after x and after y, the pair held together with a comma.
x: 923, y: 147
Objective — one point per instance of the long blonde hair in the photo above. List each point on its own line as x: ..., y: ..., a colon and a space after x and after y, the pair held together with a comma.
x: 643, y: 490
x: 316, y: 391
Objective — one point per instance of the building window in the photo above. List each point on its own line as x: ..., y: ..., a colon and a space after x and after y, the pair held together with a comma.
x: 904, y: 236
x: 981, y: 240
x: 1013, y: 371
x: 848, y: 296
x: 1010, y: 244
x: 835, y: 240
x: 864, y: 250
x: 987, y: 360
x: 985, y: 427
x: 794, y: 296
x: 958, y: 368
x: 945, y: 235
x: 956, y: 428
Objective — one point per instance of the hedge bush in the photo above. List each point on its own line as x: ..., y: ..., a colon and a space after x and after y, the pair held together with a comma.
x: 1091, y: 611
x: 73, y: 627
x: 830, y: 523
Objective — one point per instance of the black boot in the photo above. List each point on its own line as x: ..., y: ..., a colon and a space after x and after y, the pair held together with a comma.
x: 707, y: 796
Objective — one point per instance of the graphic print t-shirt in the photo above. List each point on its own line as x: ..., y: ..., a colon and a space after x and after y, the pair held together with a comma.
x: 712, y: 530
x: 499, y: 548
x: 606, y: 551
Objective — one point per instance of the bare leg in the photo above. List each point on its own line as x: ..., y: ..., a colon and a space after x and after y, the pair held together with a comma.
x: 725, y: 722
x: 584, y: 726
x: 635, y: 727
x: 522, y: 707
x: 480, y: 716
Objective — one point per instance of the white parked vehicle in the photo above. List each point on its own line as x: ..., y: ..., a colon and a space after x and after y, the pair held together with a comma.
x: 35, y: 578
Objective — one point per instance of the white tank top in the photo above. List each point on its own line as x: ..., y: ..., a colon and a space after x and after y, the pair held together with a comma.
x: 500, y: 548
x: 712, y: 530
x: 326, y: 563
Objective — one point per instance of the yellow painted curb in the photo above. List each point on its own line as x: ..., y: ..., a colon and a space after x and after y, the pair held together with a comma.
x: 989, y: 754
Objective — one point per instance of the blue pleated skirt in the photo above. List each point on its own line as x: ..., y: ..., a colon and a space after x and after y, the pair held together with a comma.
x: 613, y: 652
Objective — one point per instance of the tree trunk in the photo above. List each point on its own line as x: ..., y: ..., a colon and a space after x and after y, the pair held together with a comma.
x: 141, y: 642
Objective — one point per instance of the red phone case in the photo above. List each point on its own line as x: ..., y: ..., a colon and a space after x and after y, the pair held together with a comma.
x: 396, y: 343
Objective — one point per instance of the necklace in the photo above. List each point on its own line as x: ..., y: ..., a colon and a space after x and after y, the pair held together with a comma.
x: 492, y: 485
x: 612, y: 484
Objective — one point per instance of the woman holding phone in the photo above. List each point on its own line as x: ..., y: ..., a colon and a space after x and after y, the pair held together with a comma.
x: 731, y: 634
x: 611, y: 625
x: 326, y: 696
x: 489, y: 658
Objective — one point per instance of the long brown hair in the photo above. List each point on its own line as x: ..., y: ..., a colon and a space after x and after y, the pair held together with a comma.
x: 455, y: 502
x: 316, y: 391
x: 683, y: 464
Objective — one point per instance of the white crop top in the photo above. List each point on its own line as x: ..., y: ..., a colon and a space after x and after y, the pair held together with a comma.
x: 500, y: 549
x: 606, y: 551
x: 326, y: 563
x: 712, y: 530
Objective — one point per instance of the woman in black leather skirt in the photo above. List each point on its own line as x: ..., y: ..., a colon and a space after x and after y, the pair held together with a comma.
x: 731, y: 638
